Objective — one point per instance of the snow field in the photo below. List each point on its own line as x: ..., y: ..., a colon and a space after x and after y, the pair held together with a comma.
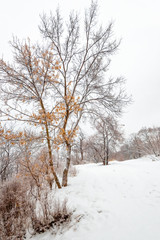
x: 120, y: 201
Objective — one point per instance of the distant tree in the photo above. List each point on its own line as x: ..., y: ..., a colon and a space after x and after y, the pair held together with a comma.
x: 84, y: 58
x: 144, y: 142
x: 94, y: 150
x: 78, y: 148
x: 107, y: 137
x: 151, y: 140
x: 132, y: 147
x: 136, y: 145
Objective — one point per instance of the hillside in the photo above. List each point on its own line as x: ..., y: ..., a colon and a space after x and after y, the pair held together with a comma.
x: 116, y: 202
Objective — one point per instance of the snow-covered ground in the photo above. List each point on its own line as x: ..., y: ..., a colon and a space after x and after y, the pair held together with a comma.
x: 116, y: 202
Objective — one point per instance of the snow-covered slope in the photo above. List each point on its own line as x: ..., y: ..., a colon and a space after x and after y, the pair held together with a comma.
x: 117, y: 202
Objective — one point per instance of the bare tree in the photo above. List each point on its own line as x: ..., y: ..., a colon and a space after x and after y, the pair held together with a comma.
x: 136, y: 146
x: 26, y: 91
x: 93, y: 149
x: 79, y: 147
x: 84, y: 58
x: 151, y: 140
x: 107, y: 138
x: 144, y: 142
x: 9, y: 155
x: 131, y: 148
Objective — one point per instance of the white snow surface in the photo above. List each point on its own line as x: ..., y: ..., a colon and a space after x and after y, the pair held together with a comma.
x: 120, y: 201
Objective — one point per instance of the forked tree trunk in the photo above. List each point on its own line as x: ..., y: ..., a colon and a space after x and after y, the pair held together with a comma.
x: 65, y: 172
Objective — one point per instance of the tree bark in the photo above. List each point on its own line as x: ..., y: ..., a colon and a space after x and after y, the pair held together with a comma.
x: 81, y: 149
x: 107, y: 152
x: 65, y: 172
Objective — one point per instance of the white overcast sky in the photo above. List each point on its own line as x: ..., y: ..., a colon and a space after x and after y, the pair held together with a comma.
x: 137, y: 22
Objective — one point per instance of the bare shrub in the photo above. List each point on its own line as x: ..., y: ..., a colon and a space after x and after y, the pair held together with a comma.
x: 50, y: 215
x: 24, y: 207
x: 14, y: 210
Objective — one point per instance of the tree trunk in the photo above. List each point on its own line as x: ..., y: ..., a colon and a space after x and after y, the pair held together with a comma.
x: 106, y: 158
x: 107, y: 151
x: 49, y: 151
x: 65, y: 172
x: 51, y: 165
x: 81, y: 149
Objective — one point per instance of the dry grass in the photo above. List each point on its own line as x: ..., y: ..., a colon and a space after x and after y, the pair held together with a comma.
x: 20, y: 211
x: 14, y: 210
x: 50, y: 216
